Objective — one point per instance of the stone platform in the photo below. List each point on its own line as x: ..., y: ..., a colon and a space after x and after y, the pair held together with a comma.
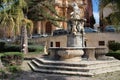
x: 80, y: 68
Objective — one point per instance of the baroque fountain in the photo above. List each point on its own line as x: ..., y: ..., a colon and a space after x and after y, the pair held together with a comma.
x: 68, y: 60
x: 75, y: 38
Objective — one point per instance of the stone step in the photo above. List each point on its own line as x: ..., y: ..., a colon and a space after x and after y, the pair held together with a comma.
x: 105, y: 64
x: 85, y: 74
x: 53, y: 67
x: 105, y: 70
x: 88, y: 68
x: 82, y: 68
x: 59, y: 63
x: 88, y: 64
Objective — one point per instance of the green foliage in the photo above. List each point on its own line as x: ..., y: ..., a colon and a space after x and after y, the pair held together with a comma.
x: 113, y: 18
x: 92, y: 21
x: 115, y: 54
x: 16, y: 48
x: 12, y: 48
x: 2, y: 74
x: 33, y: 48
x: 2, y: 45
x: 12, y: 14
x: 14, y: 69
x: 12, y: 58
x: 114, y: 46
x: 43, y: 10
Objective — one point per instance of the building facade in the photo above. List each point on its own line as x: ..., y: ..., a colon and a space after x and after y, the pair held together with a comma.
x: 64, y: 8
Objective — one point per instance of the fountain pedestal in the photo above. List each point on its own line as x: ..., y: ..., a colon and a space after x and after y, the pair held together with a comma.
x: 75, y: 40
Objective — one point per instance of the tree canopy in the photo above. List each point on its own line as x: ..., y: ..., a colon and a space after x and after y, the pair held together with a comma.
x: 43, y: 10
x: 113, y: 18
x: 11, y: 12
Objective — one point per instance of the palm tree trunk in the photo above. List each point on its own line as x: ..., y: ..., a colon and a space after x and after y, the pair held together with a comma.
x: 24, y: 40
x: 1, y: 65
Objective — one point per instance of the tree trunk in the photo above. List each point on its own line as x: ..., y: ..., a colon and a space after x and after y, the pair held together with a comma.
x: 24, y: 39
x: 1, y: 65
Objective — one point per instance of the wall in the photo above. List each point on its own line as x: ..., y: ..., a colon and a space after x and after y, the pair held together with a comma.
x: 92, y: 39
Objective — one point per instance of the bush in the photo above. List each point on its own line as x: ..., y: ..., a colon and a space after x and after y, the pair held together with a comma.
x: 14, y: 69
x: 12, y: 48
x: 2, y: 45
x: 3, y: 74
x: 115, y: 54
x: 114, y: 46
x: 16, y: 48
x: 36, y: 48
x: 12, y: 58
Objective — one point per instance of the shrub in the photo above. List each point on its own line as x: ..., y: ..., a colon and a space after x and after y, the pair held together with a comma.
x: 114, y: 46
x: 36, y: 48
x: 12, y: 48
x: 3, y: 74
x: 14, y: 69
x: 2, y: 45
x: 16, y: 48
x: 12, y: 58
x: 115, y: 54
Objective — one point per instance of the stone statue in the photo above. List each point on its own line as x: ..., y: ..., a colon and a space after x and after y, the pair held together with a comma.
x: 76, y: 23
x: 76, y: 26
x: 76, y: 11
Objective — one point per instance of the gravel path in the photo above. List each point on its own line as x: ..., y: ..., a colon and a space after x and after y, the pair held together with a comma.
x: 27, y: 74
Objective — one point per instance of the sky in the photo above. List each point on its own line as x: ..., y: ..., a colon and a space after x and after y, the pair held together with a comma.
x: 96, y: 10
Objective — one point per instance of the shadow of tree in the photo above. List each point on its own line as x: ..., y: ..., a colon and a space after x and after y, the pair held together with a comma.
x: 29, y: 75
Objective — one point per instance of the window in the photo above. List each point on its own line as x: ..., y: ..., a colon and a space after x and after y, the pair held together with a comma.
x: 101, y: 43
x: 51, y: 44
x: 57, y: 44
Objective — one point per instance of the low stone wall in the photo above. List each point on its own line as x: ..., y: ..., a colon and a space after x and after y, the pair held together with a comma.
x: 92, y: 40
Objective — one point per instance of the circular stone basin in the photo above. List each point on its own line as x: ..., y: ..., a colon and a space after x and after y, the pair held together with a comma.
x: 66, y: 52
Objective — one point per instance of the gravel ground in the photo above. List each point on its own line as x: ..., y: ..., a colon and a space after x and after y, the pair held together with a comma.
x: 27, y: 74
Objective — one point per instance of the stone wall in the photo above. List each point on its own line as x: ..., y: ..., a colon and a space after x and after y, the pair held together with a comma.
x: 92, y: 40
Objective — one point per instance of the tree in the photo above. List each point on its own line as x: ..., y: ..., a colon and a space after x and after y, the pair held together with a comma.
x: 27, y: 25
x: 92, y: 21
x: 113, y: 18
x: 43, y: 10
x: 12, y: 16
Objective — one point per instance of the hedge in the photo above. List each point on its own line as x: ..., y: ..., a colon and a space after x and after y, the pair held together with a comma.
x: 16, y: 48
x: 114, y: 46
x: 115, y: 54
x: 2, y: 45
x: 12, y: 58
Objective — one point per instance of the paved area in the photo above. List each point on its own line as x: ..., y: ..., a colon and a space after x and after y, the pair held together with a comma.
x: 27, y: 74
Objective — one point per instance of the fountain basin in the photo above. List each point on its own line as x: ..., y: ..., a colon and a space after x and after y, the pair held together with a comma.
x: 63, y: 53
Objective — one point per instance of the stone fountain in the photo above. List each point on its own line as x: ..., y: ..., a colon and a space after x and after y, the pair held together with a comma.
x: 75, y: 42
x: 75, y: 38
x: 68, y: 60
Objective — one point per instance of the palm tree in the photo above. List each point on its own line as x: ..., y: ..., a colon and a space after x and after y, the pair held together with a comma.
x: 27, y: 25
x: 12, y: 16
